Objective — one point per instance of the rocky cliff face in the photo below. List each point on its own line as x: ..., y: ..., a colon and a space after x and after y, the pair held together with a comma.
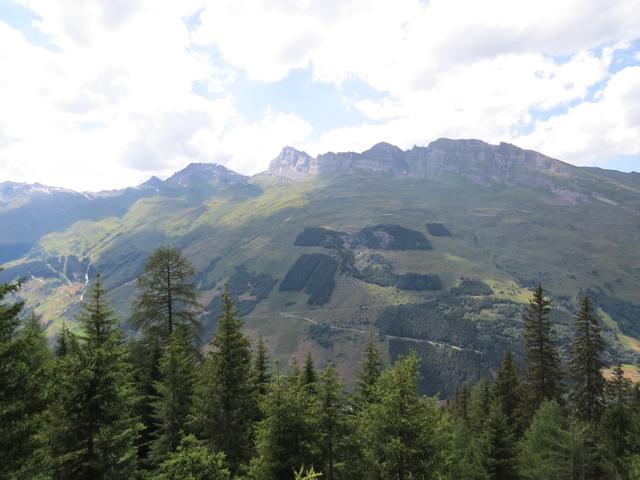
x: 292, y: 163
x: 474, y: 159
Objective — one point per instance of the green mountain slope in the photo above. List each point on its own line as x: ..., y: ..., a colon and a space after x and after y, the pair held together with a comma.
x: 434, y: 248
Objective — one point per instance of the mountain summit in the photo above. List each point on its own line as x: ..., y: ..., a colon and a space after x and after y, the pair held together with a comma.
x: 473, y: 159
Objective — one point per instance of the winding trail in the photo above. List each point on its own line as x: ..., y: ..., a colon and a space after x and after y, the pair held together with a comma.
x: 393, y: 337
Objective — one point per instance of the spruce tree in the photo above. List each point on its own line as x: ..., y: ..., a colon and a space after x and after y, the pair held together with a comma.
x: 500, y: 454
x: 145, y: 354
x: 93, y: 425
x: 543, y: 364
x: 619, y: 389
x: 167, y: 299
x: 287, y: 434
x: 225, y: 401
x: 399, y: 428
x: 172, y: 402
x: 369, y: 371
x: 332, y: 424
x: 588, y: 384
x: 309, y: 374
x: 67, y: 342
x: 260, y: 374
x: 507, y: 390
x: 24, y: 363
x: 459, y: 404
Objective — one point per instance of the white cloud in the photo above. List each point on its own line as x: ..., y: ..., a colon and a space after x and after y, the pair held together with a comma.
x: 113, y: 102
x: 594, y: 131
x: 450, y: 68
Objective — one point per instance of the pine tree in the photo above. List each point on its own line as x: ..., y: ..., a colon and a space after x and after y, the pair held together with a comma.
x: 330, y: 414
x: 260, y: 375
x: 287, y: 434
x: 225, y: 401
x: 399, y: 427
x: 174, y: 390
x: 543, y: 364
x: 24, y: 360
x: 507, y: 390
x: 588, y: 384
x: 166, y: 299
x: 93, y: 426
x: 369, y: 371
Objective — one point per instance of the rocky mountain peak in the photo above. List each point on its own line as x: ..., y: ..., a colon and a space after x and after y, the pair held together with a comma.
x: 292, y: 163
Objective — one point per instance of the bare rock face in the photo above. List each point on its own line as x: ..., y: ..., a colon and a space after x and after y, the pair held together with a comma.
x: 292, y: 163
x: 478, y: 161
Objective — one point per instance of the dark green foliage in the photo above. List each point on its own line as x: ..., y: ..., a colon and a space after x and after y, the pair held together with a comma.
x: 442, y: 368
x: 24, y: 378
x: 438, y: 230
x: 619, y: 389
x: 500, y: 448
x: 619, y: 439
x: 472, y: 287
x: 192, y: 461
x: 332, y: 422
x: 309, y: 375
x: 319, y: 237
x: 370, y: 369
x: 543, y: 364
x: 588, y: 384
x: 286, y: 438
x: 224, y: 402
x: 377, y: 271
x: 145, y: 354
x: 399, y: 429
x: 173, y: 391
x: 507, y: 391
x: 393, y: 237
x: 434, y: 320
x: 314, y: 272
x: 260, y: 373
x: 166, y: 299
x: 417, y: 281
x: 93, y: 427
x: 459, y: 404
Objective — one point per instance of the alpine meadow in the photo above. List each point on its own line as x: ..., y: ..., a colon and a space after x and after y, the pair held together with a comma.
x: 438, y: 280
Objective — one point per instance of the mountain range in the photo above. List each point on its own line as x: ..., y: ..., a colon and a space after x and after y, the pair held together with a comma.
x: 434, y: 248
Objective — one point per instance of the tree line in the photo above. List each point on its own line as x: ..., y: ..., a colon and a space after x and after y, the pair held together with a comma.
x: 156, y: 405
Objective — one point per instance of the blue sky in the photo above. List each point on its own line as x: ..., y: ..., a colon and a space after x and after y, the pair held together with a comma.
x: 105, y: 93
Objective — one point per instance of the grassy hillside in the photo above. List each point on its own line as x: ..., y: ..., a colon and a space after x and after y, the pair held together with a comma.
x: 459, y: 254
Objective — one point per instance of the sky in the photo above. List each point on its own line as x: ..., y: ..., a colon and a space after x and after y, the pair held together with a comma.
x: 102, y: 94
